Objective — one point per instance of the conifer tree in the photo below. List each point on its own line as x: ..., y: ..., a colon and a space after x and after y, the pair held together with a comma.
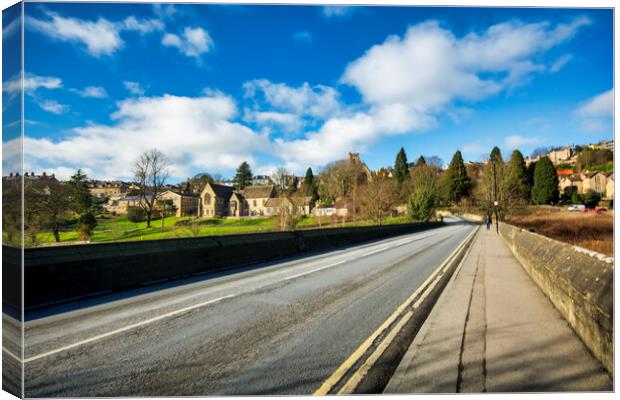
x: 243, y: 176
x: 458, y: 182
x: 545, y: 190
x: 516, y: 176
x: 401, y: 167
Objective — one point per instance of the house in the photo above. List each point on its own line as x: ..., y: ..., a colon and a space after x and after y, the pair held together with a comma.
x: 343, y: 208
x: 324, y: 210
x: 570, y: 181
x: 185, y: 204
x: 560, y: 155
x: 120, y: 204
x: 609, y: 187
x: 236, y: 205
x: 298, y: 205
x: 215, y: 200
x: 256, y: 198
x: 102, y: 189
x: 564, y: 172
x: 596, y: 181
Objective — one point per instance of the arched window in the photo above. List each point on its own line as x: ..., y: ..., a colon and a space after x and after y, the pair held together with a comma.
x: 207, y: 198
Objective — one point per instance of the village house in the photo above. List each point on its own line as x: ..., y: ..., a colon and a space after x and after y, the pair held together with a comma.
x: 236, y: 205
x: 119, y: 204
x: 596, y: 181
x: 256, y: 198
x: 215, y: 200
x: 560, y: 155
x: 324, y: 210
x: 609, y: 188
x: 186, y: 205
x: 570, y: 181
x: 102, y: 189
x: 297, y: 205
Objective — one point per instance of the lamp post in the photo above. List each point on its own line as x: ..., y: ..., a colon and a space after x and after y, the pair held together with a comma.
x: 495, y: 202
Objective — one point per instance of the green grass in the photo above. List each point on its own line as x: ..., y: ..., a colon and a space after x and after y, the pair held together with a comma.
x: 120, y: 229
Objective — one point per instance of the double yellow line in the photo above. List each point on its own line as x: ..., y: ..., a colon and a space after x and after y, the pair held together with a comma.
x: 389, y: 330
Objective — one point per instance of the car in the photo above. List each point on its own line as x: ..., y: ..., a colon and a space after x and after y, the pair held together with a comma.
x: 577, y: 207
x: 600, y: 210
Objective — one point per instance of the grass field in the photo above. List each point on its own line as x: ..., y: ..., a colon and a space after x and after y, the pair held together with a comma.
x: 120, y: 229
x: 589, y: 230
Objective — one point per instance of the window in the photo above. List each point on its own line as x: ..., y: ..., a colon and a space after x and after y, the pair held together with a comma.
x: 207, y: 198
x: 254, y: 203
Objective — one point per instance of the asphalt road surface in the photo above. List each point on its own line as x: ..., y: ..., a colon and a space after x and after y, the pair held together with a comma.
x: 282, y: 328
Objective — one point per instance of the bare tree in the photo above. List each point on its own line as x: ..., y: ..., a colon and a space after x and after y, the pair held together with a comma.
x: 150, y: 171
x: 281, y: 178
x: 377, y: 199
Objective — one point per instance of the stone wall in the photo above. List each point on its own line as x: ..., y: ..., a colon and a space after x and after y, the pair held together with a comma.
x: 578, y: 282
x: 57, y: 274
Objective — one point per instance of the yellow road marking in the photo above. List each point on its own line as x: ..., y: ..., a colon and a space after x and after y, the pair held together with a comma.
x: 335, y: 378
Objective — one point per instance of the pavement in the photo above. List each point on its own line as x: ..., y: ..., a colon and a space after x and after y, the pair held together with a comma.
x: 277, y: 328
x: 493, y: 330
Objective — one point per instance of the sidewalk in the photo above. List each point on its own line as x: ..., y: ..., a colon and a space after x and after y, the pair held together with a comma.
x: 493, y: 330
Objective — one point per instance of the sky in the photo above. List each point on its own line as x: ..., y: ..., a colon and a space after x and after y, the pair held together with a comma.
x: 300, y: 86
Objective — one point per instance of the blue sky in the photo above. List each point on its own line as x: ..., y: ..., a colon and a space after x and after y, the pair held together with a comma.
x: 298, y: 86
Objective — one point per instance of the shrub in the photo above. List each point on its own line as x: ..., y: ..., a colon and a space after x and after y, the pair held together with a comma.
x: 421, y: 205
x: 591, y: 199
x: 135, y: 214
x: 86, y: 224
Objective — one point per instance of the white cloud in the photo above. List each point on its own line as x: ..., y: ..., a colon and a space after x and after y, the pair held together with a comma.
x: 337, y: 11
x: 53, y: 106
x: 303, y: 36
x: 209, y: 140
x: 92, y: 91
x: 288, y: 122
x: 11, y: 28
x: 100, y: 37
x: 193, y: 42
x: 133, y: 88
x: 408, y: 82
x: 596, y: 113
x: 601, y: 105
x: 317, y: 101
x: 518, y: 141
x: 144, y: 26
x: 31, y: 83
x: 560, y: 63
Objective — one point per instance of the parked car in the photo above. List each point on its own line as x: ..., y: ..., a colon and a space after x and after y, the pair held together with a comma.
x: 600, y: 210
x: 577, y: 207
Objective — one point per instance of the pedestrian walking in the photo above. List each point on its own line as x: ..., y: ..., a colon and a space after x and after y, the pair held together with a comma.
x: 487, y: 221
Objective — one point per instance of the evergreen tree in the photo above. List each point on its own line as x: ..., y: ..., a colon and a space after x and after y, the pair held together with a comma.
x: 401, y: 168
x: 516, y: 176
x: 545, y: 190
x: 458, y: 183
x: 309, y: 185
x: 243, y: 176
x: 81, y: 200
x: 530, y: 174
x: 496, y: 155
x: 420, y: 161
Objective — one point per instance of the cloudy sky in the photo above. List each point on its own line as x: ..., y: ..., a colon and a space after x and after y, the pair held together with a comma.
x: 300, y: 86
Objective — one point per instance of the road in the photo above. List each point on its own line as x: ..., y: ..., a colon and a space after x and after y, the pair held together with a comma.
x: 282, y: 328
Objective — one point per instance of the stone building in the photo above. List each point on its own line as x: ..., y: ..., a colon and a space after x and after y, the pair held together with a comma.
x: 186, y: 205
x: 297, y: 205
x: 255, y: 199
x: 214, y: 200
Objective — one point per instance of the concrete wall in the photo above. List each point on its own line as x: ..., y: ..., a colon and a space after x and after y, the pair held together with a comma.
x: 56, y: 274
x: 578, y: 282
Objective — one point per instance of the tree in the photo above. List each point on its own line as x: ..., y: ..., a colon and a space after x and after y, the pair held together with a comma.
x: 420, y: 161
x: 281, y: 177
x: 243, y: 176
x: 401, y: 168
x: 591, y: 198
x: 545, y: 189
x: 150, y: 171
x: 336, y: 180
x: 82, y: 205
x: 516, y: 176
x: 425, y: 194
x: 166, y: 207
x: 54, y: 202
x: 530, y: 175
x: 81, y: 200
x: 309, y: 186
x: 377, y: 199
x: 457, y: 181
x: 496, y: 155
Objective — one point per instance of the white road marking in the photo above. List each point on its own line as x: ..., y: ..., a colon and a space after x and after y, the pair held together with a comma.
x: 128, y: 327
x: 11, y: 354
x: 199, y: 305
